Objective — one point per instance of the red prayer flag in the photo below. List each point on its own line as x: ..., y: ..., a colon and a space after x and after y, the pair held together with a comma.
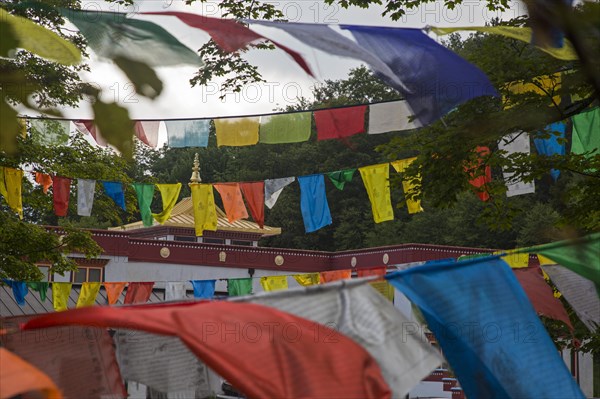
x: 138, y: 292
x: 113, y: 291
x: 481, y: 180
x: 61, y: 190
x: 255, y: 198
x: 375, y: 271
x: 334, y: 275
x: 88, y: 126
x: 43, y: 180
x: 340, y: 122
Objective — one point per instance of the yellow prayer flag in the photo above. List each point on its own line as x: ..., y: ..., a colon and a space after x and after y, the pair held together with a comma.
x: 544, y: 261
x: 514, y: 259
x: 169, y: 194
x: 205, y: 211
x: 377, y: 182
x: 88, y: 293
x: 307, y: 279
x: 60, y: 296
x: 545, y: 85
x: 274, y: 283
x: 414, y: 206
x: 10, y: 188
x: 384, y: 288
x: 236, y: 132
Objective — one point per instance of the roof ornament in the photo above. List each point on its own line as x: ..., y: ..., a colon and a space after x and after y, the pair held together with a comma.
x: 196, y: 171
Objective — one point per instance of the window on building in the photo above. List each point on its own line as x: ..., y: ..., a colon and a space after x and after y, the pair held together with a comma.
x: 185, y: 238
x: 46, y: 272
x: 87, y: 274
x: 241, y: 242
x: 209, y: 240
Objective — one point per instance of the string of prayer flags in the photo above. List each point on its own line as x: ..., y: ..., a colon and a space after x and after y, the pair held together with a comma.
x: 192, y: 133
x: 145, y: 194
x: 374, y: 271
x: 586, y: 126
x: 147, y: 132
x: 394, y: 116
x: 338, y: 123
x: 41, y: 287
x: 61, y: 190
x: 169, y: 194
x: 285, y: 128
x: 88, y: 127
x: 232, y: 201
x: 138, y: 40
x: 239, y: 286
x: 413, y: 205
x: 341, y: 177
x: 205, y: 212
x: 138, y: 292
x: 307, y: 279
x: 255, y: 198
x: 60, y: 296
x: 434, y: 79
x: 113, y: 291
x: 313, y: 202
x: 274, y: 283
x: 43, y: 180
x: 334, y: 275
x: 480, y: 177
x: 553, y: 145
x: 50, y: 132
x: 85, y: 196
x: 377, y: 183
x: 515, y: 143
x: 445, y: 294
x: 236, y: 132
x: 175, y: 290
x: 19, y: 290
x: 204, y: 289
x: 87, y: 295
x: 274, y: 188
x: 114, y: 190
x: 10, y: 188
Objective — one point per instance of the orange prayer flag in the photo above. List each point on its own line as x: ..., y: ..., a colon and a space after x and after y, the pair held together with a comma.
x: 327, y: 277
x: 375, y: 271
x: 479, y: 180
x: 43, y: 180
x: 113, y: 291
x: 20, y: 377
x: 232, y: 201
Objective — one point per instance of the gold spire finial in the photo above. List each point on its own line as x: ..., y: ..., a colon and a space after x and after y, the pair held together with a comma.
x: 196, y: 171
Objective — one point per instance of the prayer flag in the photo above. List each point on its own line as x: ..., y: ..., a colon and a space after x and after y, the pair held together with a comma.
x: 274, y: 283
x: 586, y: 136
x: 21, y: 378
x: 274, y: 188
x: 43, y: 180
x: 515, y: 260
x: 88, y: 293
x: 175, y: 291
x: 113, y: 35
x: 205, y: 212
x: 255, y: 198
x: 88, y: 127
x: 307, y: 279
x: 337, y: 123
x: 384, y: 288
x: 169, y: 194
x: 204, y: 289
x: 514, y: 143
x: 341, y: 177
x: 188, y: 133
x: 11, y: 181
x: 285, y: 128
x: 236, y: 132
x: 434, y: 79
x: 232, y: 201
x: 551, y: 145
x: 60, y: 295
x: 138, y: 292
x: 488, y: 330
x: 414, y: 206
x: 114, y: 190
x: 239, y: 286
x: 85, y: 196
x: 543, y: 86
x: 61, y: 190
x: 377, y: 183
x: 374, y: 271
x: 113, y: 291
x: 41, y: 287
x: 334, y: 275
x: 313, y: 202
x: 19, y: 290
x: 145, y: 194
x: 50, y: 132
x: 479, y: 180
x: 394, y: 116
x: 147, y: 132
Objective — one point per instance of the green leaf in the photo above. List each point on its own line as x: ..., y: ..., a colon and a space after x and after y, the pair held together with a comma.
x: 9, y: 127
x: 143, y: 77
x: 115, y: 126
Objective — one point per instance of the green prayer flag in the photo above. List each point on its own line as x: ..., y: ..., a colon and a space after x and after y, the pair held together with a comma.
x: 586, y: 132
x: 285, y: 128
x: 113, y: 35
x: 474, y: 256
x: 341, y: 177
x: 239, y: 286
x: 145, y: 193
x: 41, y: 287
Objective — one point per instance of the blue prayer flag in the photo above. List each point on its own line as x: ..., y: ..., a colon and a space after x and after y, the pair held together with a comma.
x: 313, y: 202
x: 115, y: 191
x: 551, y: 146
x: 434, y: 79
x: 19, y: 289
x: 488, y: 329
x: 188, y: 133
x: 204, y: 289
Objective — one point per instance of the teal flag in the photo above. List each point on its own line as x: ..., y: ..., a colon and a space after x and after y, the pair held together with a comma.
x: 586, y: 132
x: 285, y: 128
x: 145, y: 193
x: 341, y: 177
x: 239, y: 286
